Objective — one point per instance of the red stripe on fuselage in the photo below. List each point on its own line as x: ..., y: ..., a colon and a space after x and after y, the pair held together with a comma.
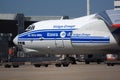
x: 116, y: 25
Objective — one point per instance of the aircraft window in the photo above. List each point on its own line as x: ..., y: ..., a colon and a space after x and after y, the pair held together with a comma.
x: 31, y: 27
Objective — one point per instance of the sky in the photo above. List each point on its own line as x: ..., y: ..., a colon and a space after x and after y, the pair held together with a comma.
x: 72, y: 8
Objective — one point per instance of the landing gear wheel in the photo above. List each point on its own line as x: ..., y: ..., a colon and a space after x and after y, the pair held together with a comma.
x: 65, y: 64
x: 46, y: 65
x: 71, y: 60
x: 7, y: 66
x: 37, y: 65
x: 58, y: 65
x: 15, y: 66
x: 87, y: 62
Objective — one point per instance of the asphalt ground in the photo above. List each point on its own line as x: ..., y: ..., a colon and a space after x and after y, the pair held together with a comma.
x: 73, y: 72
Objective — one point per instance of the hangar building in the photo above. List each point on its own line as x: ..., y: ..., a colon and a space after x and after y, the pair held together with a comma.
x: 16, y: 23
x: 13, y: 24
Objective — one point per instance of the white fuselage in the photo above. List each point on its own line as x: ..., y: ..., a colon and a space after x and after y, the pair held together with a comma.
x: 75, y: 36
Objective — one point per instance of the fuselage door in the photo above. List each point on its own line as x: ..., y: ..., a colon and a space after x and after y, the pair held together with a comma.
x: 59, y: 42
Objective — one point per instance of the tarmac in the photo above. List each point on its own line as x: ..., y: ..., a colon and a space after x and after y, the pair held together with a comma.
x: 73, y: 72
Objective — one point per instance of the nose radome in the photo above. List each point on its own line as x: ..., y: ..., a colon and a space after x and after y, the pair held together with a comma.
x: 15, y: 40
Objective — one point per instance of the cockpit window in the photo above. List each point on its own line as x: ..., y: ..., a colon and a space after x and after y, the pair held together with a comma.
x: 31, y: 27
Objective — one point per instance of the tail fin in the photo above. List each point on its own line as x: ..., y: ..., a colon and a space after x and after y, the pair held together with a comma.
x: 116, y: 34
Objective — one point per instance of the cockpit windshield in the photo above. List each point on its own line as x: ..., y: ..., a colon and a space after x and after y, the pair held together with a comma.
x: 31, y: 27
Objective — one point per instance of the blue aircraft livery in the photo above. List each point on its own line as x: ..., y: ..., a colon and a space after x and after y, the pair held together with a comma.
x: 87, y: 38
x: 60, y: 34
x: 50, y: 34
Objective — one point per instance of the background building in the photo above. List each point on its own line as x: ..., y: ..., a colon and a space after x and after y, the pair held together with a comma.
x: 117, y: 4
x: 14, y: 24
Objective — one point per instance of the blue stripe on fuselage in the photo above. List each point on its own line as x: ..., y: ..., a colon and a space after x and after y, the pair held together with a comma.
x: 90, y: 39
x: 61, y: 34
x: 48, y: 34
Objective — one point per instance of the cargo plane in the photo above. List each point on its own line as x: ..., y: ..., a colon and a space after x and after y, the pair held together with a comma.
x: 96, y: 33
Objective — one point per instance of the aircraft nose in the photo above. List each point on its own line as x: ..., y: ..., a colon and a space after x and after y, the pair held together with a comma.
x: 15, y: 40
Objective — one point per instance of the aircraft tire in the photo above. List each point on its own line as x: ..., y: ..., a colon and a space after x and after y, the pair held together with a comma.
x: 65, y: 64
x: 46, y: 65
x: 58, y: 65
x: 37, y: 65
x: 7, y: 66
x: 15, y: 66
x: 87, y: 62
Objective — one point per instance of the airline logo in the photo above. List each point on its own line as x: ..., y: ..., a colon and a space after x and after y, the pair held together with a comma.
x: 63, y: 34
